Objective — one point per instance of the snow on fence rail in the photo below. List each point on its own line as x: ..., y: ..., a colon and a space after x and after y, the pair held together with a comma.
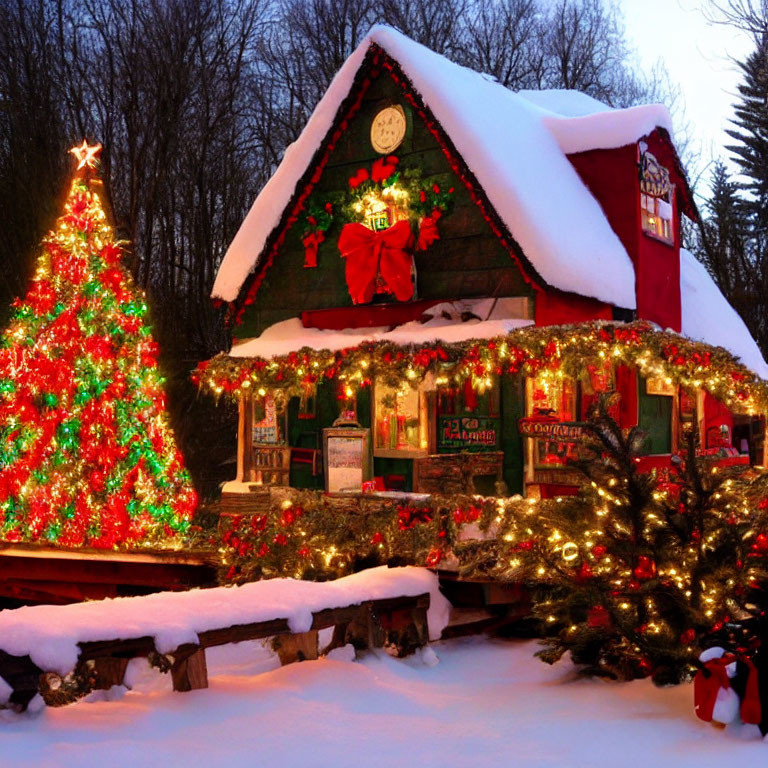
x: 38, y: 641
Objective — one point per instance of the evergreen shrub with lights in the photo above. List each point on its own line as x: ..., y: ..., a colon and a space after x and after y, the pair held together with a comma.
x: 631, y: 577
x: 87, y: 456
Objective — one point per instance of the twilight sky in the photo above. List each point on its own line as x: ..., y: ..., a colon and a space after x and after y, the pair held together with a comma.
x: 697, y: 56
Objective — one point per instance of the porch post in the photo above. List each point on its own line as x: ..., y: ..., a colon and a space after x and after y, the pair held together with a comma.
x: 245, y: 438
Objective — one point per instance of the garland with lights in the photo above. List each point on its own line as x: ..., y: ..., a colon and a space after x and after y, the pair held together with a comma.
x: 549, y: 351
x: 87, y: 456
x: 405, y: 187
x: 309, y: 537
x: 377, y: 239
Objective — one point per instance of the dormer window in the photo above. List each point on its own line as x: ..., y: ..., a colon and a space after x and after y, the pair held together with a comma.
x: 656, y: 199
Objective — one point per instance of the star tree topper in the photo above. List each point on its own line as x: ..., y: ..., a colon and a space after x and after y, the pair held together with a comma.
x: 86, y: 155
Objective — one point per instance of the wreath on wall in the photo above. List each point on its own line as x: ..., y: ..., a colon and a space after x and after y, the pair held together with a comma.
x: 379, y: 211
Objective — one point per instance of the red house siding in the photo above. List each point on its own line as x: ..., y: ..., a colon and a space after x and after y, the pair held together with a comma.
x: 612, y: 177
x: 658, y: 264
x: 557, y: 308
x: 657, y: 280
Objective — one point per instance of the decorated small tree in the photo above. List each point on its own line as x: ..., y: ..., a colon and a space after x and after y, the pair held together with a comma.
x: 87, y: 456
x: 632, y: 576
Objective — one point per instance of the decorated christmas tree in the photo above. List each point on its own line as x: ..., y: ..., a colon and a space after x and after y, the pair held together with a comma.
x: 87, y: 456
x: 633, y: 576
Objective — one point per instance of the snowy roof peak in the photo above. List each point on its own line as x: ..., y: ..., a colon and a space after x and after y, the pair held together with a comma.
x: 515, y: 145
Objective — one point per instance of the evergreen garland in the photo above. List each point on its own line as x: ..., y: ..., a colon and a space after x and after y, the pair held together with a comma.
x: 545, y: 351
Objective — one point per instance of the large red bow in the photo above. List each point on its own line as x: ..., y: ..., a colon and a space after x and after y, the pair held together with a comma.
x: 370, y: 253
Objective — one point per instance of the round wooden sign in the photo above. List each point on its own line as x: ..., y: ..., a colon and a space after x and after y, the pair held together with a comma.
x: 388, y: 129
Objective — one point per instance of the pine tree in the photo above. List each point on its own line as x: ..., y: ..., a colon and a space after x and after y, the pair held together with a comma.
x: 734, y: 233
x: 631, y: 575
x: 726, y: 230
x: 751, y: 134
x: 728, y: 252
x: 87, y: 456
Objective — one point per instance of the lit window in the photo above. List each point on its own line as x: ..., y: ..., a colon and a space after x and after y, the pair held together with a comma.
x: 382, y: 214
x: 555, y: 396
x: 656, y: 198
x: 385, y: 208
x: 400, y: 420
x: 268, y: 427
x: 554, y: 399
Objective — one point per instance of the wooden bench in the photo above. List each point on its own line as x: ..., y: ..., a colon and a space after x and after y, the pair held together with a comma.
x: 399, y: 623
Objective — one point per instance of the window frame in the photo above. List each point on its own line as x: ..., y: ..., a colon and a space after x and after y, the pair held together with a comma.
x: 654, y: 176
x: 645, y: 215
x: 425, y: 428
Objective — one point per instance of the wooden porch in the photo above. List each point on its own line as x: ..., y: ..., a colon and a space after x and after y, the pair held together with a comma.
x: 35, y: 574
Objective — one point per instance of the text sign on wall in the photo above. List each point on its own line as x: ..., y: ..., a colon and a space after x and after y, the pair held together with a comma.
x: 468, y: 432
x: 551, y: 430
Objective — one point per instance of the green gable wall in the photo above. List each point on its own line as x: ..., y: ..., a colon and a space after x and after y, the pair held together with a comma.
x: 468, y: 261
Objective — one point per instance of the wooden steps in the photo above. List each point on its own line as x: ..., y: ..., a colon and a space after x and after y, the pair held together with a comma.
x: 482, y: 605
x: 469, y: 621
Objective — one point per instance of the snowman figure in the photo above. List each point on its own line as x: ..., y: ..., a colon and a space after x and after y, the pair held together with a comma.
x: 727, y: 689
x: 715, y: 699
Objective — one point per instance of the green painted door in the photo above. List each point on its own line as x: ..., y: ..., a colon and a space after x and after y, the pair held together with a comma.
x: 512, y: 409
x: 655, y: 418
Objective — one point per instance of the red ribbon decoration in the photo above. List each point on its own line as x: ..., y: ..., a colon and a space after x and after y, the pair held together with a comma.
x: 370, y: 253
x: 311, y: 242
x: 428, y: 233
x: 383, y: 168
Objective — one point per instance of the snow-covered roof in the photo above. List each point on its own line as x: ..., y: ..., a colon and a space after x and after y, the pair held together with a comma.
x: 445, y: 324
x: 707, y: 316
x: 516, y: 150
x: 580, y: 123
x: 565, y: 102
x: 606, y: 130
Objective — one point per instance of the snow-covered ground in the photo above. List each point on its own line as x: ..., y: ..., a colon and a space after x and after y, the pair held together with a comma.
x: 486, y: 703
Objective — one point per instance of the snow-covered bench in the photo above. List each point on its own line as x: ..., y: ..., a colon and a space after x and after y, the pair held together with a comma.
x: 43, y: 646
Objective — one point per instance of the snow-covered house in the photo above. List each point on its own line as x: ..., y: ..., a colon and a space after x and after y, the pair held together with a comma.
x: 429, y: 209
